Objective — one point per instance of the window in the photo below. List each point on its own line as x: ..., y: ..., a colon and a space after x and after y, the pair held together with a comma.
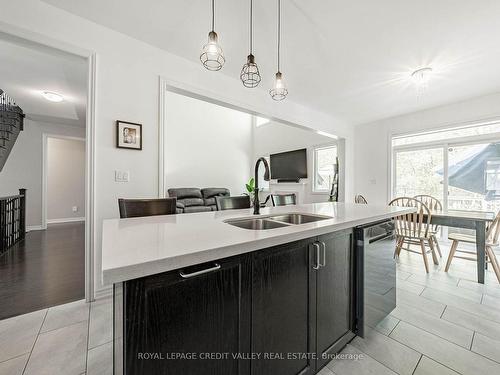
x: 325, y: 167
x: 418, y: 172
x: 459, y: 166
x: 493, y: 178
x: 444, y: 134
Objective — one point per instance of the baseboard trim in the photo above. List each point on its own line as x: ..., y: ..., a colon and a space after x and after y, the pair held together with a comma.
x: 65, y: 220
x: 30, y: 228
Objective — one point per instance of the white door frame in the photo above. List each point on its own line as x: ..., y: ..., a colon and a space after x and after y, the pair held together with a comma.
x: 90, y: 138
x: 45, y: 137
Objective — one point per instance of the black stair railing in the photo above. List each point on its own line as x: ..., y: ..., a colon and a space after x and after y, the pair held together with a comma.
x: 11, y: 123
x: 12, y: 220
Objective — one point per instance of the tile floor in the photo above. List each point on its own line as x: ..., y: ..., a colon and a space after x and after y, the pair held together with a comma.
x: 445, y: 323
x: 75, y: 338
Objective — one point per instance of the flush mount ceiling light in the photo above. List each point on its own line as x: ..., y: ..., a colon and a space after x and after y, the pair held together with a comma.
x: 52, y: 96
x: 250, y: 75
x: 421, y: 76
x: 279, y: 91
x: 212, y: 56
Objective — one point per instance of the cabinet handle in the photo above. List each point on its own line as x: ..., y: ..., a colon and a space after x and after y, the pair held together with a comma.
x: 193, y: 274
x: 318, y: 262
x: 323, y: 264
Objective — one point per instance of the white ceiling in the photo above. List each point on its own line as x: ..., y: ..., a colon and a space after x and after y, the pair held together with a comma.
x: 27, y: 69
x: 351, y: 58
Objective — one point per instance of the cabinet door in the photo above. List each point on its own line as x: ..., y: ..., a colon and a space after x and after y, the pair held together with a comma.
x: 333, y: 307
x: 283, y: 304
x: 186, y: 314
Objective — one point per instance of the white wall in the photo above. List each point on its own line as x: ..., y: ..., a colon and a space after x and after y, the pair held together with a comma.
x: 65, y: 179
x: 372, y: 141
x: 127, y: 89
x: 206, y: 145
x: 24, y: 165
x: 275, y: 137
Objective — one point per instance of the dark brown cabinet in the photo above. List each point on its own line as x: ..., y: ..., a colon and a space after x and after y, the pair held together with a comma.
x: 283, y: 309
x: 302, y: 303
x: 333, y: 302
x: 174, y: 320
x: 289, y: 307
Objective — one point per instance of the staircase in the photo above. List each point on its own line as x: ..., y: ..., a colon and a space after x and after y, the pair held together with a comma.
x: 11, y: 123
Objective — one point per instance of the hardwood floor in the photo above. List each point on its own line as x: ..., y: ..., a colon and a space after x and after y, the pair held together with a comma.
x: 46, y: 269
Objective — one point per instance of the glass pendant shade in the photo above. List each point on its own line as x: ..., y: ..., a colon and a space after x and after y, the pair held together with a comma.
x: 279, y: 91
x: 250, y: 75
x: 212, y: 56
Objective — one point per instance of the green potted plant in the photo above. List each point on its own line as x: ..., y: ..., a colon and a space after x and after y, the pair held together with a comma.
x: 250, y: 186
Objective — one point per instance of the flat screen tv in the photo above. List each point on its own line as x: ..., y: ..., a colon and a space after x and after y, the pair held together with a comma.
x: 289, y: 166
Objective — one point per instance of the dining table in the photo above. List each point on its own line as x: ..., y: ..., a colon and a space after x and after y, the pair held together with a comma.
x: 475, y: 220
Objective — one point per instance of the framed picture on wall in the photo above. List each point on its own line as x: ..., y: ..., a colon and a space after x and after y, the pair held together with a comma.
x: 128, y: 135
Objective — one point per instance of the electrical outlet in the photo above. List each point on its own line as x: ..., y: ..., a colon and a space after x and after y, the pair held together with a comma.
x: 126, y: 176
x: 75, y: 208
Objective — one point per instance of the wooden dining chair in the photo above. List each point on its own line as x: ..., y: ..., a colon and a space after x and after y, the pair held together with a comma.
x: 434, y: 205
x: 232, y: 203
x: 283, y: 199
x: 492, y: 234
x: 360, y: 199
x: 414, y: 228
x: 146, y: 207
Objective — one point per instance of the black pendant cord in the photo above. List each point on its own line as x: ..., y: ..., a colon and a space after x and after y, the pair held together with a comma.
x: 279, y: 32
x: 213, y: 15
x: 251, y: 27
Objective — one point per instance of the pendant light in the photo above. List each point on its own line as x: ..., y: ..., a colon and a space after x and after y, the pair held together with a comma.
x: 212, y: 56
x: 279, y: 91
x: 250, y: 75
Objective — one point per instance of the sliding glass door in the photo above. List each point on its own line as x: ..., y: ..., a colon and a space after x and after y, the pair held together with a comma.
x: 473, y: 177
x: 462, y: 175
x: 419, y: 171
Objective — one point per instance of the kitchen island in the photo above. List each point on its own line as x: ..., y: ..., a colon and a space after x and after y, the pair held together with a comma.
x: 221, y: 293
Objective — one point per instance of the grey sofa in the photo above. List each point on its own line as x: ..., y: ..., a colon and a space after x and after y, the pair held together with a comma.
x: 197, y: 200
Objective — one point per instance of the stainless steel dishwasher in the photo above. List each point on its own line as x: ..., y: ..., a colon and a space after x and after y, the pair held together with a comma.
x: 375, y: 275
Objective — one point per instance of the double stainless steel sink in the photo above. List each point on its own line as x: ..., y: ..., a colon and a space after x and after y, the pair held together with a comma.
x: 275, y: 221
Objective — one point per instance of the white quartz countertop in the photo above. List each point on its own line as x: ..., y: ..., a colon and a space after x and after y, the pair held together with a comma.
x: 137, y: 247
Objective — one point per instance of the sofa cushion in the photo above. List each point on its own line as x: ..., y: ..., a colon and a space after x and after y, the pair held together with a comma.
x: 187, y: 202
x: 182, y: 193
x: 210, y: 202
x: 192, y: 209
x: 214, y: 192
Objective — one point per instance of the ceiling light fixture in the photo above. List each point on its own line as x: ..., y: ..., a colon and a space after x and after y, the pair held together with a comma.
x: 212, y: 56
x: 250, y: 75
x: 279, y: 91
x: 421, y: 76
x: 52, y: 96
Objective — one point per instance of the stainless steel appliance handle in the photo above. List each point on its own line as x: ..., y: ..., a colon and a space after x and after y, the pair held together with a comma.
x: 323, y: 264
x: 318, y: 261
x: 197, y: 273
x: 380, y: 237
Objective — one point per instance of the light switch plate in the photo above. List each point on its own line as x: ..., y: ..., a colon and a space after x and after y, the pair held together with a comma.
x: 118, y: 176
x: 122, y: 176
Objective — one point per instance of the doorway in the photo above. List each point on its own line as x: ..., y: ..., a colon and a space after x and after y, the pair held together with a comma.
x: 53, y: 263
